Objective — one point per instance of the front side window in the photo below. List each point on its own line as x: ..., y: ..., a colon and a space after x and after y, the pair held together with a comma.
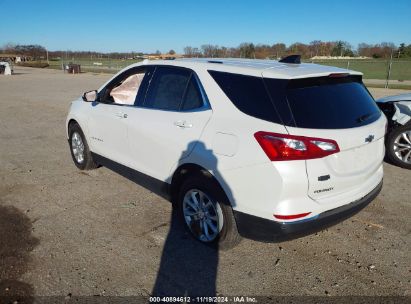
x: 126, y: 91
x: 123, y: 89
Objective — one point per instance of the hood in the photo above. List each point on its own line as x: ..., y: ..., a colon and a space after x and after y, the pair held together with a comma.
x: 401, y: 97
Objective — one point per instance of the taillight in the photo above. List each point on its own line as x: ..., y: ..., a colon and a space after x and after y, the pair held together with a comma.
x: 279, y: 147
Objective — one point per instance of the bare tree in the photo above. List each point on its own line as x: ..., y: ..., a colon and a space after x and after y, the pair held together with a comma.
x: 278, y: 50
x: 209, y: 50
x: 315, y: 47
x: 189, y: 51
x: 247, y: 50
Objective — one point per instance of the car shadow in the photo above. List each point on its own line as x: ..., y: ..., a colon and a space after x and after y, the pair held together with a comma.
x: 188, y: 267
x: 16, y: 242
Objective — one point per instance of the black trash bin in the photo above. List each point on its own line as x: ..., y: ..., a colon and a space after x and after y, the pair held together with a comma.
x: 73, y: 68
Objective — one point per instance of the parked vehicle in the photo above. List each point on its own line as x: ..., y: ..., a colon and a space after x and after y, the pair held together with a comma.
x: 5, y: 68
x: 257, y: 148
x: 398, y: 140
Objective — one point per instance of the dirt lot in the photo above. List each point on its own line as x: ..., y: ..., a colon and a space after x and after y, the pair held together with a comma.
x: 66, y: 232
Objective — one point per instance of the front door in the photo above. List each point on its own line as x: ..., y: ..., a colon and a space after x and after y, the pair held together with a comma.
x: 108, y: 120
x: 108, y: 131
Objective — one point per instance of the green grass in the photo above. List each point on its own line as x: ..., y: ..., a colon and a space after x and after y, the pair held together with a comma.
x: 108, y: 65
x: 33, y: 64
x: 374, y: 69
x: 390, y: 86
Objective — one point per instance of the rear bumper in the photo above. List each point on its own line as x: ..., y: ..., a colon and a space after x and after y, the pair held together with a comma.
x: 260, y: 229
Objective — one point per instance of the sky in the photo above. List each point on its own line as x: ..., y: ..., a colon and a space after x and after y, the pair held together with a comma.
x: 147, y: 26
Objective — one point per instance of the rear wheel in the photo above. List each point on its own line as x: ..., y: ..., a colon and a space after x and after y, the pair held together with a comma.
x: 206, y: 212
x: 398, y: 146
x: 79, y: 149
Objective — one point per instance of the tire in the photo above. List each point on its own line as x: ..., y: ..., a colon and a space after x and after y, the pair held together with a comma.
x: 202, y: 184
x: 399, y: 138
x: 80, y: 151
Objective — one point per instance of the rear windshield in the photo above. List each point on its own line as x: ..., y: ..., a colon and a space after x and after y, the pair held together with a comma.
x: 331, y: 103
x: 316, y: 103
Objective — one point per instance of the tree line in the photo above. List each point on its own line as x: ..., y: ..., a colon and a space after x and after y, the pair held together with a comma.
x: 39, y: 52
x: 244, y: 50
x: 33, y: 50
x: 314, y: 48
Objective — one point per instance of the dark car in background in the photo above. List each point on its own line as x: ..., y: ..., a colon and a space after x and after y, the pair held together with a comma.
x: 398, y: 139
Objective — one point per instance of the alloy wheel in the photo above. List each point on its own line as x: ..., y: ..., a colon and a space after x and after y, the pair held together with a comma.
x: 77, y: 146
x: 402, y: 147
x: 202, y: 215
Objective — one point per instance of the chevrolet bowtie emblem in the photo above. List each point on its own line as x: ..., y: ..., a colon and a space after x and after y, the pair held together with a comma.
x: 369, y: 139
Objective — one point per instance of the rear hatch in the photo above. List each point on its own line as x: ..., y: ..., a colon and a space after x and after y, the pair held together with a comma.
x: 339, y: 108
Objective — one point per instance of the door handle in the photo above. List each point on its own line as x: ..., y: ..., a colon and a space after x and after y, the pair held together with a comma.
x: 121, y: 115
x: 182, y: 124
x: 179, y: 123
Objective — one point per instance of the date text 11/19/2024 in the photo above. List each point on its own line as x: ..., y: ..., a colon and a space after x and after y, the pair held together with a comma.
x: 220, y: 299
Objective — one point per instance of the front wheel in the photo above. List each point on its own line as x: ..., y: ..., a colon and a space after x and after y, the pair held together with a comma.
x: 79, y: 149
x: 206, y: 212
x: 398, y: 146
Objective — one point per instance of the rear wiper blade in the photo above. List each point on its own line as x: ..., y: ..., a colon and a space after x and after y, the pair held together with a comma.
x: 363, y: 118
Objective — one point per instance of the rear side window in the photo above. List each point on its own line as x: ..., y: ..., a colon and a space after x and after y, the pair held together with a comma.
x: 248, y: 94
x: 192, y: 98
x: 167, y: 88
x: 330, y: 103
x: 173, y: 89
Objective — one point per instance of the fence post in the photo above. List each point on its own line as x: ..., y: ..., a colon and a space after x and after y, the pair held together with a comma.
x: 389, y: 71
x: 348, y: 65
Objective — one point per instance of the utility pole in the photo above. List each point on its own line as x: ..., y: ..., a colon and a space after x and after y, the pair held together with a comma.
x: 389, y: 71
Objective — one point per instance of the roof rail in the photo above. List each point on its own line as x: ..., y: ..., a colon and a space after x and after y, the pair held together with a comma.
x: 215, y: 61
x: 291, y: 59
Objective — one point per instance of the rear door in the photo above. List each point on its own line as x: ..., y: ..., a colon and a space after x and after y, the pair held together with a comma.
x: 341, y: 109
x: 166, y: 124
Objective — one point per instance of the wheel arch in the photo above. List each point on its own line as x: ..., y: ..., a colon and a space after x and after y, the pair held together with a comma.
x: 72, y: 121
x: 187, y: 169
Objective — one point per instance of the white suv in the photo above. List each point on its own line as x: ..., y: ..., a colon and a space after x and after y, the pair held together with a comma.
x: 258, y: 148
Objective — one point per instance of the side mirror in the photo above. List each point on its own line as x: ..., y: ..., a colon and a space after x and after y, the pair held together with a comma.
x: 90, y: 96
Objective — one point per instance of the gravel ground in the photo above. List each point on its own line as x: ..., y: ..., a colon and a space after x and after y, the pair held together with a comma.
x: 69, y: 233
